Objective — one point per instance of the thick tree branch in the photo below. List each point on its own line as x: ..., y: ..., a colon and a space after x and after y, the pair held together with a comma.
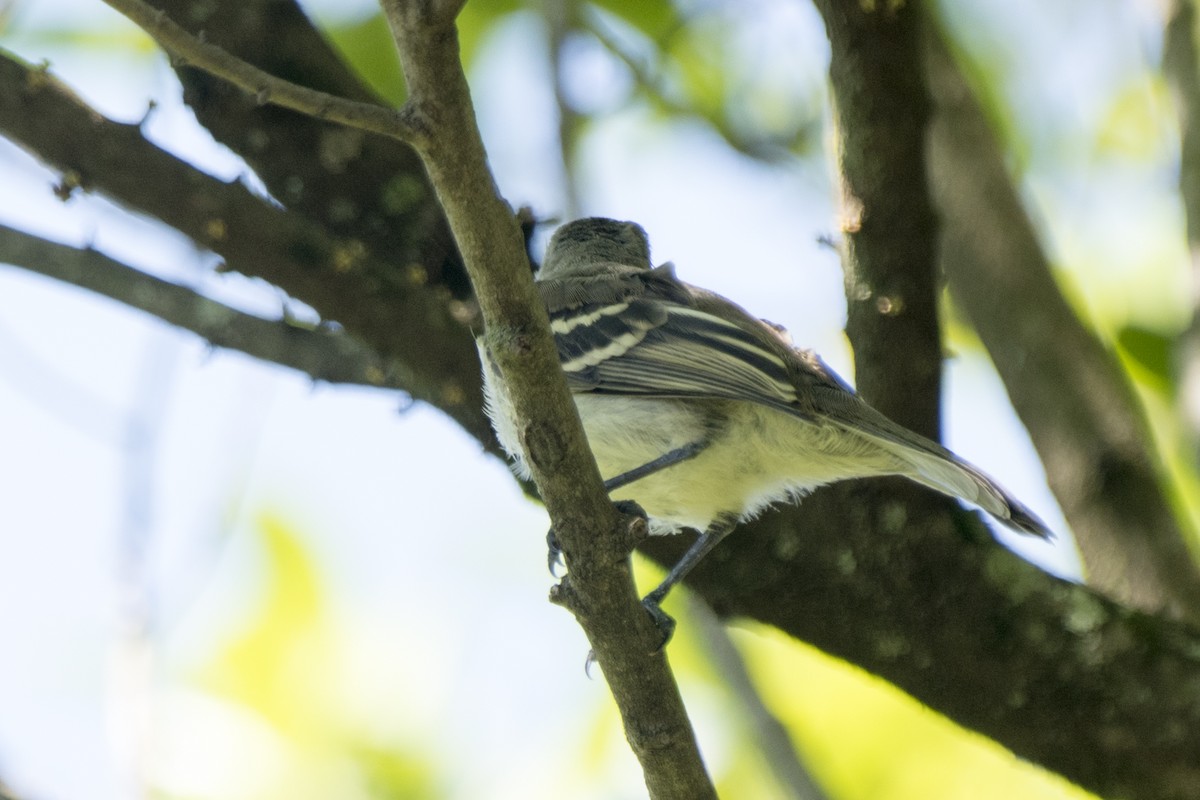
x: 887, y: 214
x: 388, y: 307
x: 1063, y: 677
x: 264, y: 87
x: 324, y: 354
x: 1065, y: 385
x: 599, y: 589
x: 1181, y: 65
x: 353, y: 184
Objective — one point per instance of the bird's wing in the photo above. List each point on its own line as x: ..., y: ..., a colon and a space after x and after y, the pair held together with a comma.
x: 648, y: 334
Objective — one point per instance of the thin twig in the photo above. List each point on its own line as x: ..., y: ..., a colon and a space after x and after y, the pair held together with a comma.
x: 647, y: 78
x: 386, y: 305
x: 1065, y: 384
x: 266, y: 88
x: 326, y: 355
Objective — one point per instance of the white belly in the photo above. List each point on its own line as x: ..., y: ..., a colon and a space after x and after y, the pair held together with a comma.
x: 756, y: 456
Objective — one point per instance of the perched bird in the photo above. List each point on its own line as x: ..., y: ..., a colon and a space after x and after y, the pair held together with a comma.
x: 703, y: 414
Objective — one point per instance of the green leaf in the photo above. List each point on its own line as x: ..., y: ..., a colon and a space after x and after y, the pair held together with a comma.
x: 657, y: 20
x: 476, y: 21
x: 1153, y: 351
x: 370, y: 49
x: 1133, y: 126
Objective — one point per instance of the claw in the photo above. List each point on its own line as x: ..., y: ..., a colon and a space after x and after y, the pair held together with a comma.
x: 661, y: 619
x: 554, y: 558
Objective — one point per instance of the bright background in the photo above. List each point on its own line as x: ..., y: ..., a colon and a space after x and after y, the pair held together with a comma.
x: 218, y: 580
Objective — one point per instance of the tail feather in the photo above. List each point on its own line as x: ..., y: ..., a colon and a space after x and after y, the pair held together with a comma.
x: 934, y: 466
x: 951, y: 475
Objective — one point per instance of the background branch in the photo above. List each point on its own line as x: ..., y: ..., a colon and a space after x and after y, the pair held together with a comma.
x: 352, y: 184
x: 324, y: 354
x: 264, y: 87
x: 387, y: 305
x: 1064, y: 384
x: 1181, y: 64
x: 771, y: 737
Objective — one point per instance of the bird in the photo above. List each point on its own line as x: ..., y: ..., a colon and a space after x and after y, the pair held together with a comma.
x: 701, y: 413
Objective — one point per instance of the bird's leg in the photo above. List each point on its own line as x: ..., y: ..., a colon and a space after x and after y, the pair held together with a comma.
x: 679, y: 454
x: 718, y: 529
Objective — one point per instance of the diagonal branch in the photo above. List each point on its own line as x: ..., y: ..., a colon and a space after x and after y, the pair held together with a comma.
x: 388, y: 307
x: 352, y: 184
x: 1181, y: 65
x: 1067, y: 387
x: 599, y: 589
x: 264, y: 87
x: 323, y: 354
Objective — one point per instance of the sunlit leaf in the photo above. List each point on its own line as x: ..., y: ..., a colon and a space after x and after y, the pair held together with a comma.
x: 1153, y: 352
x: 278, y: 655
x: 864, y: 739
x: 1133, y: 125
x: 477, y: 20
x: 370, y: 49
x: 655, y: 20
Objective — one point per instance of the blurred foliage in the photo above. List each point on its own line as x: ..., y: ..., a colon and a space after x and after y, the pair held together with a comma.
x: 285, y: 668
x: 722, y: 64
x: 1153, y: 352
x: 1135, y: 125
x: 867, y: 740
x: 367, y: 45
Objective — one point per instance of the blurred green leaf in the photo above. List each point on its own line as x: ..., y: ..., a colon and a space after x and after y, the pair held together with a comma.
x: 1134, y: 124
x: 865, y: 739
x: 656, y: 20
x: 370, y: 49
x: 392, y: 775
x: 476, y: 21
x: 289, y: 668
x: 279, y: 655
x: 1153, y: 352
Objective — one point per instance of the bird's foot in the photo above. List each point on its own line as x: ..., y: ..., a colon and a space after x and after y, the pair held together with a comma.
x: 663, y: 621
x: 554, y: 553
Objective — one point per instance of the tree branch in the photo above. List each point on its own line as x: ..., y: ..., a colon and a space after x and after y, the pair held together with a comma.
x: 1181, y: 65
x: 353, y: 184
x: 1060, y: 675
x: 387, y: 306
x: 773, y: 741
x: 325, y: 355
x: 599, y: 589
x: 264, y: 87
x: 1065, y: 385
x: 888, y: 219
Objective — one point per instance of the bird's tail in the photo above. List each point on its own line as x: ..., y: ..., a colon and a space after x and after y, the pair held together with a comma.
x: 946, y: 473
